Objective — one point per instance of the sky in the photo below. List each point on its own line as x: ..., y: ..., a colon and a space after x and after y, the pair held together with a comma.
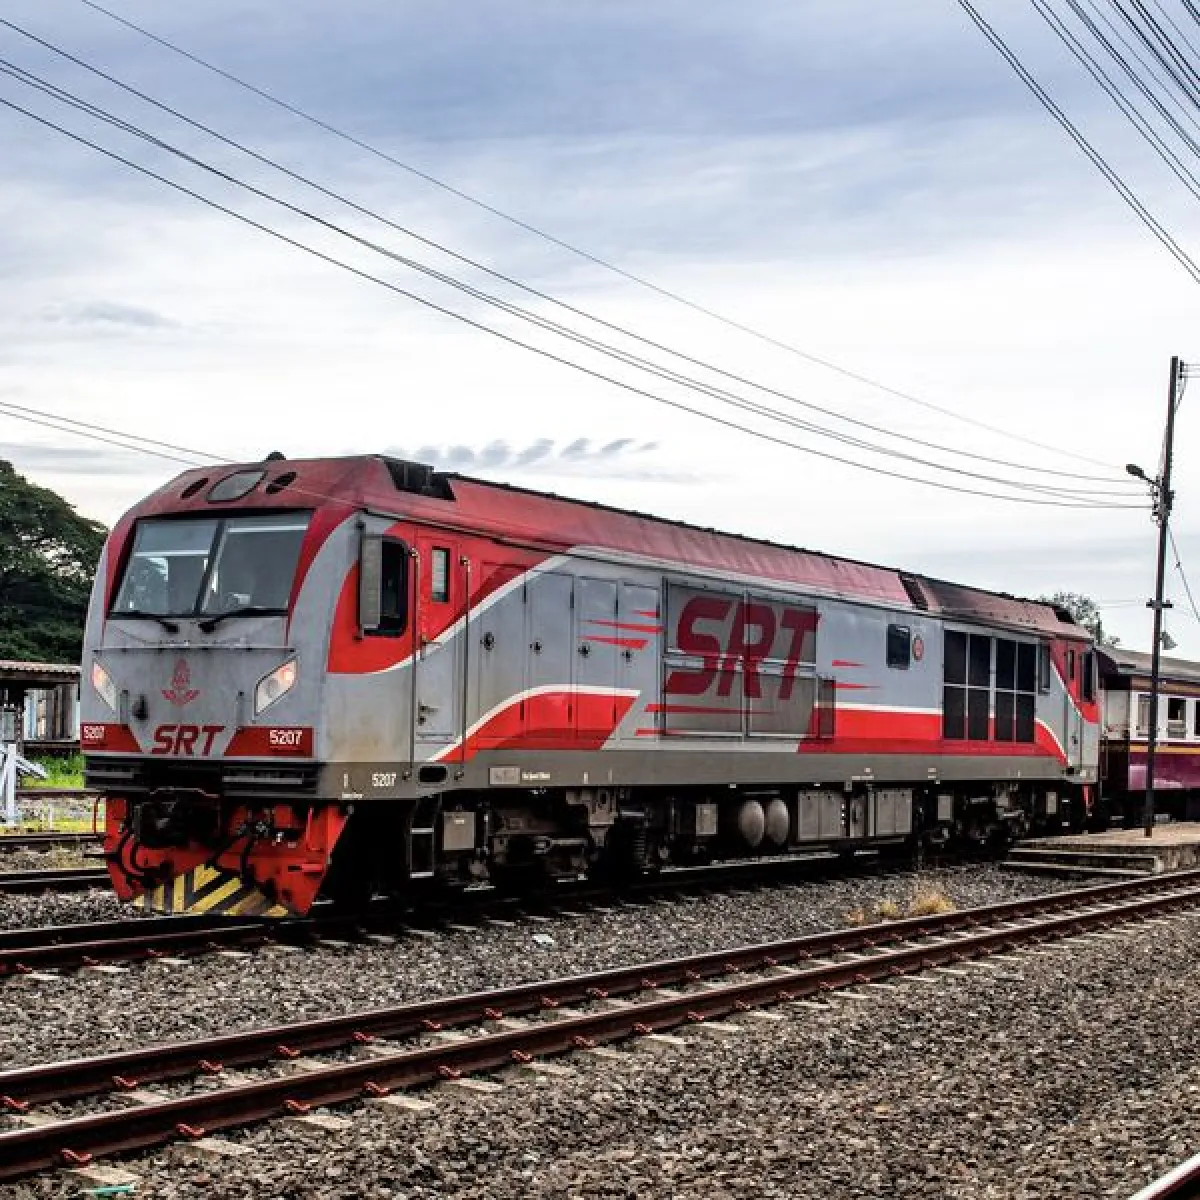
x: 864, y: 184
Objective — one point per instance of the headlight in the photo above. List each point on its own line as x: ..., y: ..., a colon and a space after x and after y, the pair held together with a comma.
x: 271, y: 687
x: 103, y: 684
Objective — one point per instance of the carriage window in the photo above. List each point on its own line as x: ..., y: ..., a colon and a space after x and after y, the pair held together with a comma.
x: 1143, y: 715
x: 439, y: 575
x: 1196, y: 717
x: 1176, y: 717
x: 899, y: 646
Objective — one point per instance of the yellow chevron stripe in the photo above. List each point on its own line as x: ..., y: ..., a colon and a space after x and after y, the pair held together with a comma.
x: 213, y: 901
x: 181, y: 895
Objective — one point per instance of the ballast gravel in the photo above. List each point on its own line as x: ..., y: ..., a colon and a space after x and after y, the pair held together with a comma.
x: 98, y: 1011
x: 1065, y: 1073
x: 1070, y: 1073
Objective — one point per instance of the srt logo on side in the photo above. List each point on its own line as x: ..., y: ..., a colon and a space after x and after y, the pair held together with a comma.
x: 182, y: 739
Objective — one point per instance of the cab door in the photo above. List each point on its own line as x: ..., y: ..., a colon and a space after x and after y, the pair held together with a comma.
x: 439, y: 647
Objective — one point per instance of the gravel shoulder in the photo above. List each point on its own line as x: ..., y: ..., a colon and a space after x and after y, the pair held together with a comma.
x: 91, y: 1012
x: 1069, y: 1072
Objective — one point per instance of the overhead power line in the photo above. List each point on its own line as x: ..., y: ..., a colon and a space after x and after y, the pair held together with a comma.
x: 1090, y: 495
x: 491, y: 272
x: 577, y: 251
x: 1177, y: 166
x: 1097, y: 159
x: 1187, y: 587
x: 517, y: 342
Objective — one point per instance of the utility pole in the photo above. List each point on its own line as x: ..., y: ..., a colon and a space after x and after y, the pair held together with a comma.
x: 1163, y: 497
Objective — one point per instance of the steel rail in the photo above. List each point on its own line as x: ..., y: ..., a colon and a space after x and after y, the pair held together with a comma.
x: 79, y: 1138
x: 1182, y: 1181
x: 74, y: 879
x: 65, y: 946
x: 10, y: 842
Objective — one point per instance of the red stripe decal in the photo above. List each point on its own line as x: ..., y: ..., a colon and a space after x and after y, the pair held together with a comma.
x: 628, y: 643
x: 845, y: 662
x: 628, y: 626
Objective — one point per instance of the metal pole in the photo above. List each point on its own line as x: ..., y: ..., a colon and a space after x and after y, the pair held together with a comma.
x: 1163, y: 513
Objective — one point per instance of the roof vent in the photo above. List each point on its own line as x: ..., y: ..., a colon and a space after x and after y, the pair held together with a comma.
x: 916, y: 593
x: 280, y: 482
x: 192, y: 488
x: 418, y: 478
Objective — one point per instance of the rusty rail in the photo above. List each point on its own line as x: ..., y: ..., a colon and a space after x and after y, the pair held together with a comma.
x: 74, y: 879
x: 1183, y: 1181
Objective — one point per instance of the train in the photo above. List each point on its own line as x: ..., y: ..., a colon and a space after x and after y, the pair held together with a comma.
x: 361, y: 676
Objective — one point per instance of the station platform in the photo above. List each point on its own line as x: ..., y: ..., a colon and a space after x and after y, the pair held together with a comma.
x: 1117, y: 852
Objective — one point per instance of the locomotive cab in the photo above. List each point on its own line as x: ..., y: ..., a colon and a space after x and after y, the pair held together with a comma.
x: 200, y: 695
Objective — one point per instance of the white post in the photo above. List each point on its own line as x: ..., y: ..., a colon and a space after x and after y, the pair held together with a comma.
x: 8, y: 782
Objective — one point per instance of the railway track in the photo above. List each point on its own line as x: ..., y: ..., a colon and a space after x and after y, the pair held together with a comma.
x: 1178, y: 1184
x: 59, y: 947
x: 422, y: 1042
x: 11, y: 842
x: 71, y: 879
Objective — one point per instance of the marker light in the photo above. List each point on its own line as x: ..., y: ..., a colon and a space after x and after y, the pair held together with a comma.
x: 103, y: 684
x: 271, y: 687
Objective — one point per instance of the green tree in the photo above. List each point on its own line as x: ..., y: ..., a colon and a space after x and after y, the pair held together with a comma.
x: 1086, y: 613
x: 48, y: 557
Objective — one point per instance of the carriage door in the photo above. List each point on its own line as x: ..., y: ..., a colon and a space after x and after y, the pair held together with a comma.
x: 442, y: 584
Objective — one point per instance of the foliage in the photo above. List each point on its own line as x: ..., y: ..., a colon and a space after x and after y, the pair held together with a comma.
x: 62, y: 771
x: 1086, y: 613
x: 48, y: 557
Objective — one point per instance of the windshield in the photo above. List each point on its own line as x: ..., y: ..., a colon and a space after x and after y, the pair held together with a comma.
x: 183, y: 568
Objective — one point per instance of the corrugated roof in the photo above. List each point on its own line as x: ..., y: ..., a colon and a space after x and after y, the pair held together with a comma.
x: 32, y: 672
x: 1137, y: 662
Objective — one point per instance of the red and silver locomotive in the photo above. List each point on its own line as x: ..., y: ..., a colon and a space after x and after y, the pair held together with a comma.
x: 342, y: 676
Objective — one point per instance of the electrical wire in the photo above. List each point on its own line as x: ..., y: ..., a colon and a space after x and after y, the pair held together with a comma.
x: 1061, y: 492
x: 542, y: 295
x: 517, y: 342
x: 1174, y: 164
x: 570, y: 248
x: 1187, y: 587
x: 21, y: 409
x: 1097, y: 159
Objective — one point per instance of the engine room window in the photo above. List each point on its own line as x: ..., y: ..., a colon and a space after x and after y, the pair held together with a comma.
x: 1176, y: 717
x: 182, y: 568
x: 1196, y: 718
x: 1143, y: 716
x: 966, y: 694
x: 1044, y: 673
x: 439, y: 585
x: 899, y: 646
x: 1016, y: 682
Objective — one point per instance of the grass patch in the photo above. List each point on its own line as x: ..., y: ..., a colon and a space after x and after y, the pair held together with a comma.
x: 929, y: 902
x: 926, y: 901
x: 61, y: 772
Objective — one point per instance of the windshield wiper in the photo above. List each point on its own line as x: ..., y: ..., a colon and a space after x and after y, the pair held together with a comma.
x: 248, y: 610
x: 169, y: 626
